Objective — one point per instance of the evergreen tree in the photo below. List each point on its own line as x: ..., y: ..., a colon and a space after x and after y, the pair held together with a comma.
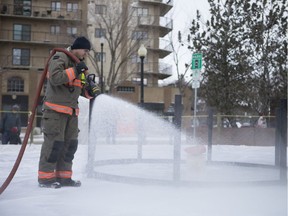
x: 266, y: 23
x: 243, y: 46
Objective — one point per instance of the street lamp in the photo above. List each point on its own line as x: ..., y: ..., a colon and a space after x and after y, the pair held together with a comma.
x: 142, y: 52
x: 101, y: 77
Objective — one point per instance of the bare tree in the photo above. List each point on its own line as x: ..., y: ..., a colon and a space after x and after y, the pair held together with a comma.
x: 118, y: 22
x: 183, y: 77
x: 182, y: 67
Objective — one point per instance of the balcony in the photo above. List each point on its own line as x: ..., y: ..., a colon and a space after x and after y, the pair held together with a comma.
x: 37, y: 37
x: 162, y: 46
x: 159, y: 69
x: 165, y: 69
x: 165, y: 5
x: 35, y: 12
x: 163, y: 24
x: 10, y: 62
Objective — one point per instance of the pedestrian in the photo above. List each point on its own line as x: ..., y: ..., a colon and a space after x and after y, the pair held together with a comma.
x: 10, y: 126
x: 261, y: 122
x: 60, y: 114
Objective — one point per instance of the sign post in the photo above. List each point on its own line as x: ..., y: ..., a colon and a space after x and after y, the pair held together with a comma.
x: 196, y: 74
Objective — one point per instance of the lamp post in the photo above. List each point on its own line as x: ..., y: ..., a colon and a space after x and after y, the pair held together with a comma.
x: 142, y: 52
x: 101, y: 77
x: 91, y: 146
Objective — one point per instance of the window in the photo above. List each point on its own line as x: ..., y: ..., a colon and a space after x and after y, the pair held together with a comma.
x: 15, y: 84
x: 128, y: 89
x: 55, y: 30
x: 21, y: 57
x: 22, y: 7
x: 140, y: 35
x: 27, y: 7
x: 21, y: 32
x: 136, y: 80
x: 100, y: 9
x: 99, y: 32
x: 135, y: 59
x: 72, y: 30
x: 98, y: 56
x: 142, y: 12
x: 55, y: 6
x: 72, y: 7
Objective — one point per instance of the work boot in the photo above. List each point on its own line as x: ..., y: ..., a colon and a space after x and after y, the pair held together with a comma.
x: 68, y: 182
x: 50, y: 184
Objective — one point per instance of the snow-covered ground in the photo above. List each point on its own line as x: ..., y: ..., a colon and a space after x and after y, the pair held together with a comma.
x: 97, y: 197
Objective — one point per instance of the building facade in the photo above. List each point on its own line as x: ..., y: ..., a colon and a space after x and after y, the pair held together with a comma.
x: 117, y: 29
x: 29, y: 30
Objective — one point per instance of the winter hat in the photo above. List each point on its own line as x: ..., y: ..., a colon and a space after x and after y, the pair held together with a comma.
x: 15, y: 107
x: 81, y: 43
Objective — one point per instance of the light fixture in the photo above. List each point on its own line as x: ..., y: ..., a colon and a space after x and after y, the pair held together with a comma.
x: 102, y: 39
x: 14, y: 96
x: 142, y: 51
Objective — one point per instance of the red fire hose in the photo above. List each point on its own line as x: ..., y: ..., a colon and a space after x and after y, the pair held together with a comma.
x: 31, y: 118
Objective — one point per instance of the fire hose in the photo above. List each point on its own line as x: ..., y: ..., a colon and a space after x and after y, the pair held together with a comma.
x: 32, y: 116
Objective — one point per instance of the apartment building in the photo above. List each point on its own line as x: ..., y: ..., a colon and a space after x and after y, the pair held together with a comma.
x: 29, y: 30
x: 117, y: 29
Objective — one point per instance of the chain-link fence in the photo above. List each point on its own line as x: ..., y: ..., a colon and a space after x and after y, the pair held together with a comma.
x: 36, y: 134
x: 232, y: 129
x: 229, y: 129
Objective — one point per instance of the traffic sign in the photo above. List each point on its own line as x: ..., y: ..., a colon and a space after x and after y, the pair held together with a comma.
x: 195, y: 84
x: 196, y: 61
x: 196, y: 74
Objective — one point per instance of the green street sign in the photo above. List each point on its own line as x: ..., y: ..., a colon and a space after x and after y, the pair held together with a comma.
x: 196, y: 61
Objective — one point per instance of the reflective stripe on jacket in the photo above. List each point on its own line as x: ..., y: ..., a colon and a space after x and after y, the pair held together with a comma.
x: 61, y: 109
x: 71, y: 74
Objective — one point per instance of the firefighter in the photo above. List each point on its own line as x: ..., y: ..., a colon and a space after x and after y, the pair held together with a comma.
x: 60, y: 114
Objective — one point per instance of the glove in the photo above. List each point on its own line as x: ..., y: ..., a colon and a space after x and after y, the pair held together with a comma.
x: 92, y: 88
x: 14, y: 130
x: 81, y: 68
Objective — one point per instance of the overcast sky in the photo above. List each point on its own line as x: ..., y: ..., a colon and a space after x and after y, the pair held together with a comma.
x: 183, y: 12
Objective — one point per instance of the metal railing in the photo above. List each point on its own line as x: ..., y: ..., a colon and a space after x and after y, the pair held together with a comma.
x: 36, y: 37
x: 168, y: 2
x: 39, y: 12
x: 155, y: 21
x: 163, y: 68
x: 160, y: 44
x: 33, y: 61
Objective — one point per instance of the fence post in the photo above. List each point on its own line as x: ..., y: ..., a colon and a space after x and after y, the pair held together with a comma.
x: 210, y: 133
x: 283, y: 140
x: 177, y: 138
x: 277, y: 136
